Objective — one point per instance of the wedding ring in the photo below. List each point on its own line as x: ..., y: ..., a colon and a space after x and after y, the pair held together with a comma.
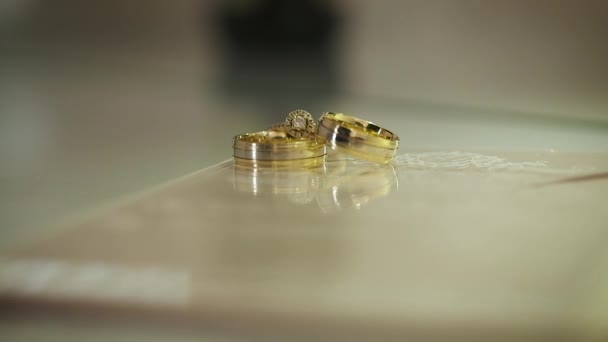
x: 276, y: 149
x: 298, y: 124
x: 359, y: 138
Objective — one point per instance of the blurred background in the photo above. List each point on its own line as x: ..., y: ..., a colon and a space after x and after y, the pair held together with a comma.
x: 103, y: 99
x: 100, y: 99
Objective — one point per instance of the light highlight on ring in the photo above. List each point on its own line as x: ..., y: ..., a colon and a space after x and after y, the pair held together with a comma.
x: 360, y: 138
x: 277, y: 148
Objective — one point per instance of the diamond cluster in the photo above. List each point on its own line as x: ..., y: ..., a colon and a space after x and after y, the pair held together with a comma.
x: 300, y: 123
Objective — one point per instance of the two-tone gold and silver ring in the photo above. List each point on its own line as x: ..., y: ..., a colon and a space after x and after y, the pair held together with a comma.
x: 292, y: 143
x: 357, y: 137
x: 299, y: 141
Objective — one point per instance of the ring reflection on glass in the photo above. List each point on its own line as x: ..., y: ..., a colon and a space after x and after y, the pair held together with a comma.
x: 299, y: 185
x: 359, y: 138
x: 278, y: 149
x: 298, y: 124
x: 335, y: 186
x: 351, y: 184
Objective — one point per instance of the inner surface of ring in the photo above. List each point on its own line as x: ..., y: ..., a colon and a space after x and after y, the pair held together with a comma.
x: 267, y: 137
x: 278, y: 138
x: 353, y: 123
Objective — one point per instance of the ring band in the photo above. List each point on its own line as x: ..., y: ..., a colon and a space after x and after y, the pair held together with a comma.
x: 277, y: 148
x: 357, y: 137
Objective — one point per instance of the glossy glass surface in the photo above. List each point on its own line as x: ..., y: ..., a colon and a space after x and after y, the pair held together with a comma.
x: 507, y: 244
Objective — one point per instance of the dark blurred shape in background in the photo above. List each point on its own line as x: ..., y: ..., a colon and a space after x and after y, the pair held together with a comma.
x: 273, y: 49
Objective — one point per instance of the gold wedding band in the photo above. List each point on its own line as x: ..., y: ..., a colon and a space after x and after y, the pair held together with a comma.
x: 359, y: 138
x: 277, y: 148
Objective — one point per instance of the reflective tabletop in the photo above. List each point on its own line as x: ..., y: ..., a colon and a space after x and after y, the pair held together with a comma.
x: 508, y: 245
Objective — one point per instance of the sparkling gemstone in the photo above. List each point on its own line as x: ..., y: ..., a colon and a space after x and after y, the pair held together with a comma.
x: 299, y: 122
